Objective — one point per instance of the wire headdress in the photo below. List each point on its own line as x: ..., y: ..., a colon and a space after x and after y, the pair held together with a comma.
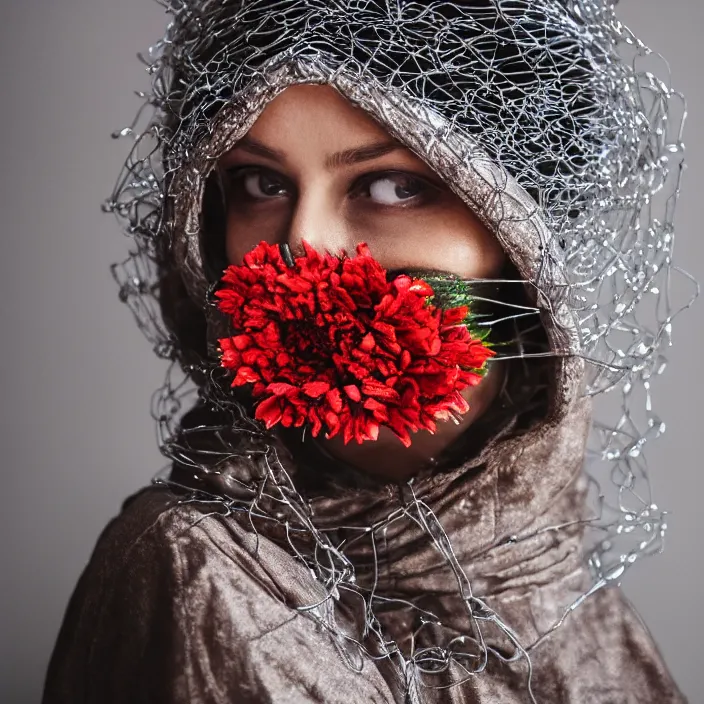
x: 551, y: 120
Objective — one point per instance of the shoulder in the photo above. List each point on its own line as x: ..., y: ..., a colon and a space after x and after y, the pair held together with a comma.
x: 171, y: 590
x: 162, y: 535
x: 165, y: 565
x: 613, y: 646
x: 170, y: 559
x: 180, y: 602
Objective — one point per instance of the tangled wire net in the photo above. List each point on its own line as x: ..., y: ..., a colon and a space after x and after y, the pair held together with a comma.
x: 570, y: 103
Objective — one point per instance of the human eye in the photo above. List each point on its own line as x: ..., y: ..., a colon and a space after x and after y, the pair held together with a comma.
x: 257, y: 184
x: 393, y: 188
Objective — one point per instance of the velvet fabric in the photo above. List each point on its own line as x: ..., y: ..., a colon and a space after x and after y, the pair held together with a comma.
x: 185, y: 602
x: 182, y: 603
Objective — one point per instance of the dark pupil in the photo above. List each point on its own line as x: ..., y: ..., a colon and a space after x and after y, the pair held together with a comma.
x: 406, y: 189
x: 269, y: 186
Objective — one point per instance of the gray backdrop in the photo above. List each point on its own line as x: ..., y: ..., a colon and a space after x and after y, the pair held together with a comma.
x: 76, y: 376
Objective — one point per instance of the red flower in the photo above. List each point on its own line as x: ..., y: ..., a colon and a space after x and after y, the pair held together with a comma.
x: 330, y: 342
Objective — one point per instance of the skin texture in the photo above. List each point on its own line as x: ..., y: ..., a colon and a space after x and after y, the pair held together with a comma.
x: 315, y: 167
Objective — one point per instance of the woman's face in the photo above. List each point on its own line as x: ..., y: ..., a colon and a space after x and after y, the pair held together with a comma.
x: 313, y: 167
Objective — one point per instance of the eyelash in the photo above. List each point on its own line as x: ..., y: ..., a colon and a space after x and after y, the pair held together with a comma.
x: 426, y: 190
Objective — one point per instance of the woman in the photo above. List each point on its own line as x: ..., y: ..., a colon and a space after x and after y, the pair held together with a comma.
x: 349, y: 543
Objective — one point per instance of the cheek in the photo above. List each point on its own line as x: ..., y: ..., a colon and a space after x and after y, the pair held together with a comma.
x: 471, y: 250
x: 447, y: 238
x: 235, y: 245
x: 477, y: 257
x: 243, y: 234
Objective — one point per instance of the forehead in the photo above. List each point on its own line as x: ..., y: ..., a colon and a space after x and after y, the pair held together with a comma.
x: 316, y: 112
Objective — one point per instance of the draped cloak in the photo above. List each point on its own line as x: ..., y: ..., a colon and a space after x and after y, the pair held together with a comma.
x: 468, y: 584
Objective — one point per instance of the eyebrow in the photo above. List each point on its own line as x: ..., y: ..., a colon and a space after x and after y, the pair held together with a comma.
x: 349, y: 157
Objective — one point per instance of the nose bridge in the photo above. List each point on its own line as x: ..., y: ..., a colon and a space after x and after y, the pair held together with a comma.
x: 317, y: 219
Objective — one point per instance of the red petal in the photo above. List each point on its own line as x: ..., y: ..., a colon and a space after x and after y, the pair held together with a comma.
x: 347, y: 432
x: 353, y: 392
x: 254, y: 357
x: 453, y: 316
x: 368, y: 343
x: 378, y: 410
x: 314, y: 389
x: 334, y: 399
x: 402, y: 283
x: 358, y: 371
x: 294, y: 283
x: 372, y: 387
x: 283, y: 359
x: 230, y: 359
x: 269, y: 411
x: 280, y: 388
x: 242, y: 342
x: 372, y: 431
x: 404, y: 437
x: 421, y: 287
x: 363, y: 250
x: 314, y: 419
x: 245, y: 375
